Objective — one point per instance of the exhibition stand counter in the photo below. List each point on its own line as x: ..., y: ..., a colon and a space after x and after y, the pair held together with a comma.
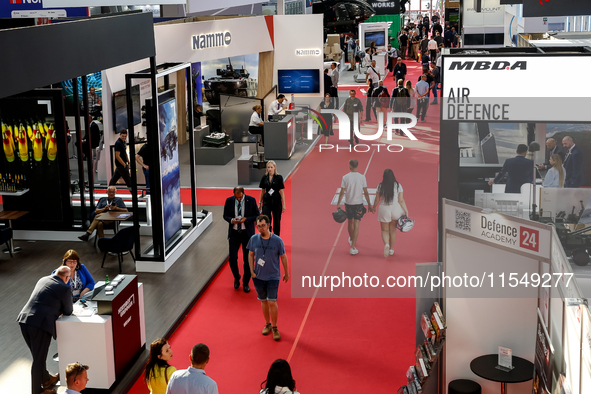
x: 280, y: 137
x: 106, y: 333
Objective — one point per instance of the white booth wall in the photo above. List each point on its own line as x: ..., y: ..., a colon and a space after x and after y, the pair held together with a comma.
x: 249, y: 35
x: 478, y: 326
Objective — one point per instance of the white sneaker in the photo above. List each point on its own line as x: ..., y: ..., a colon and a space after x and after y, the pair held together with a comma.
x: 391, y: 252
x: 350, y: 242
x: 353, y: 251
x: 386, y: 250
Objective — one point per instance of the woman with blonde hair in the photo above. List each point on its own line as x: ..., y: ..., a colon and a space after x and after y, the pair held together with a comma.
x: 555, y: 175
x: 272, y: 200
x: 413, y: 97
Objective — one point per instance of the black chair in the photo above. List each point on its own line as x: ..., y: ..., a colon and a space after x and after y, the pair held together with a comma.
x: 463, y: 386
x: 6, y: 237
x: 121, y: 242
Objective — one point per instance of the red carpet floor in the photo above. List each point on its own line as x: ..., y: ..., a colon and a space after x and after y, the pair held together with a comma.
x: 341, y: 341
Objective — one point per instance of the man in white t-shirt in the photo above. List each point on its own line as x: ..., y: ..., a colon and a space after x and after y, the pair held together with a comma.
x: 354, y: 185
x: 373, y: 73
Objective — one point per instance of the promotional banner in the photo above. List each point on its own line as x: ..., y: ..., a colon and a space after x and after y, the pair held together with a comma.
x: 543, y: 359
x: 385, y: 7
x: 169, y: 162
x: 499, y: 230
x: 36, y: 9
x: 100, y: 3
x: 555, y: 7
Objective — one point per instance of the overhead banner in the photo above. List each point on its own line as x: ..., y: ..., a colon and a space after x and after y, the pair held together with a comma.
x: 556, y: 7
x: 100, y: 3
x: 499, y: 230
x: 385, y: 7
x: 35, y: 9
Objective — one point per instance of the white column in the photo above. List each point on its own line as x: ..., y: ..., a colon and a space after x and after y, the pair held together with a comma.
x: 280, y: 7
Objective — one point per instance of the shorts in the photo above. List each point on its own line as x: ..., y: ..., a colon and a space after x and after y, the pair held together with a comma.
x: 388, y: 213
x: 266, y: 289
x: 355, y: 211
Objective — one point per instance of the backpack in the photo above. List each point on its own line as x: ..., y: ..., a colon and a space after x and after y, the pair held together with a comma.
x: 383, y: 97
x: 400, y: 97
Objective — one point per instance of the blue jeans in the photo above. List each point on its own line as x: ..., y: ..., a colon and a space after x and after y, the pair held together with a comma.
x: 434, y: 89
x: 266, y: 289
x: 147, y: 176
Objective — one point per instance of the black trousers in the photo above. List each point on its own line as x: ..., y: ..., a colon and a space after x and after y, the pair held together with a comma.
x: 38, y: 342
x: 274, y: 213
x: 258, y: 130
x: 334, y: 92
x: 120, y: 172
x: 422, y: 106
x: 237, y: 239
x: 352, y: 131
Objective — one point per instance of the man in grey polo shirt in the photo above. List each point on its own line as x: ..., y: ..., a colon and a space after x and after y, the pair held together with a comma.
x: 422, y: 88
x: 193, y: 380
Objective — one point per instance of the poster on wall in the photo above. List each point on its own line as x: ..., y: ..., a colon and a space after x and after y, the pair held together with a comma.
x: 33, y: 128
x: 169, y: 164
x: 543, y: 359
x: 197, y: 83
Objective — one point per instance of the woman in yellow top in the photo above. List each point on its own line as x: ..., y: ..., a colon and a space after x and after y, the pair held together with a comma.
x: 158, y: 371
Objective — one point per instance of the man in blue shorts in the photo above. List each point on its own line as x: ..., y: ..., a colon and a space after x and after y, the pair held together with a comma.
x: 265, y: 251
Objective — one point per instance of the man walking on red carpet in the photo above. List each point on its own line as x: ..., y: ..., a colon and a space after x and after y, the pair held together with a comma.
x: 354, y: 185
x: 193, y: 380
x: 265, y: 251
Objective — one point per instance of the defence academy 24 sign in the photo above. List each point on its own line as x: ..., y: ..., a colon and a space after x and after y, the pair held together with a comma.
x: 385, y: 7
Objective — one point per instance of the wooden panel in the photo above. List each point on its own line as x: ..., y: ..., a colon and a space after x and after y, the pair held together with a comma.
x: 265, y: 73
x: 181, y: 96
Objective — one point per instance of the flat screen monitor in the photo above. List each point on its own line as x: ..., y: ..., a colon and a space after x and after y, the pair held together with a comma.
x: 299, y: 81
x: 120, y: 108
x: 379, y: 37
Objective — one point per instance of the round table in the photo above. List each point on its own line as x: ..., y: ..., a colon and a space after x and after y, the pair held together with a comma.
x: 485, y: 367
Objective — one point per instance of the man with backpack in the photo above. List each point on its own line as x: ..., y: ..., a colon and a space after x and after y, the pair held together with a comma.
x: 381, y: 99
x: 400, y: 102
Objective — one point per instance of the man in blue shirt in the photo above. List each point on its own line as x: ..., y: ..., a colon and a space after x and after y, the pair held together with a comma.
x: 422, y: 88
x: 265, y: 251
x: 193, y: 380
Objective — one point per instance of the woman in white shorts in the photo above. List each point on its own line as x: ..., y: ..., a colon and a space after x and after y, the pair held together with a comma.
x: 392, y: 207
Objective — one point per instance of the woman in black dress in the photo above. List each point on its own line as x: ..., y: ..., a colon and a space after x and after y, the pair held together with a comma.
x: 272, y: 200
x: 327, y: 103
x: 369, y: 102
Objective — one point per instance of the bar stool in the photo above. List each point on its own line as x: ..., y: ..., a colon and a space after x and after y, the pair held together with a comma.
x: 463, y: 386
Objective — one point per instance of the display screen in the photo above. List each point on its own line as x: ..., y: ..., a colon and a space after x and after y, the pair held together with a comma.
x: 298, y: 81
x: 379, y: 37
x: 169, y: 165
x: 120, y: 108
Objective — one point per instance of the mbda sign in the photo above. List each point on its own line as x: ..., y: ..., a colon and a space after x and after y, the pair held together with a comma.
x: 486, y: 65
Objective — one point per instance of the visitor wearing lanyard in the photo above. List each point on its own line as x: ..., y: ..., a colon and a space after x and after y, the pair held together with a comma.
x: 276, y: 106
x: 80, y: 281
x: 256, y: 123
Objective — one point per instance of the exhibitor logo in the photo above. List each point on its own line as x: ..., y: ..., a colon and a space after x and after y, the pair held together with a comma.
x: 345, y: 128
x: 484, y: 65
x: 211, y: 40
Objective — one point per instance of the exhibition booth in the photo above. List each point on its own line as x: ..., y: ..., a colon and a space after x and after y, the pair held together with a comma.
x: 494, y: 102
x: 286, y: 63
x: 510, y: 291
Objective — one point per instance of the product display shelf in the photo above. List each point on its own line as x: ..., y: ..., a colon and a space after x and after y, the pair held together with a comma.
x: 15, y: 193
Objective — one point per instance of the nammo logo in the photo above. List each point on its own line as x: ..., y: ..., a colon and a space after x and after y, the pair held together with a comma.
x: 345, y: 124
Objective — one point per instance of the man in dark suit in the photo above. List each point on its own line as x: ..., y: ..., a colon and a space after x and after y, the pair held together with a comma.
x: 573, y: 163
x: 519, y: 170
x: 551, y: 148
x: 51, y: 298
x: 327, y: 82
x: 241, y: 212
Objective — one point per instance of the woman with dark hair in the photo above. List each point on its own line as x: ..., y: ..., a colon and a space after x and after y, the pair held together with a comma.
x: 369, y: 103
x: 158, y: 371
x: 279, y: 379
x: 80, y: 281
x: 392, y: 207
x: 326, y: 130
x: 372, y: 49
